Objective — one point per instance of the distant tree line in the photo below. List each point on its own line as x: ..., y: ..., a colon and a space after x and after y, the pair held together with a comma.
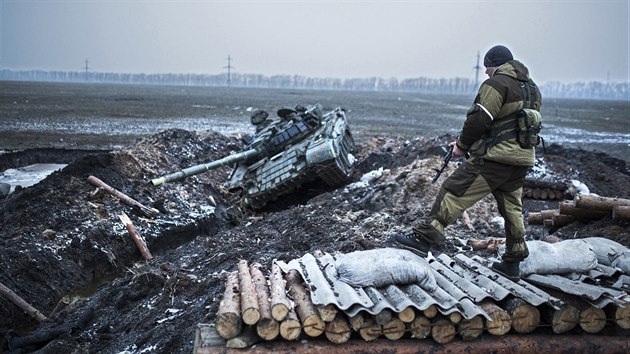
x: 456, y: 86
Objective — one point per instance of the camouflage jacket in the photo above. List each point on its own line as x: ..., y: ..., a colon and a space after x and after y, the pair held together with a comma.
x: 498, y: 97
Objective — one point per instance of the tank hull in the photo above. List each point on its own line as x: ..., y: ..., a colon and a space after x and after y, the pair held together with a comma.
x: 325, y: 153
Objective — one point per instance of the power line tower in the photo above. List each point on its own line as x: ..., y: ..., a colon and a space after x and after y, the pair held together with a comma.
x: 86, y: 69
x: 229, y: 67
x: 477, y: 68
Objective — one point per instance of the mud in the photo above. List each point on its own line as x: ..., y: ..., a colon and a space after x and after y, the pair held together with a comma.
x: 60, y: 242
x: 65, y: 251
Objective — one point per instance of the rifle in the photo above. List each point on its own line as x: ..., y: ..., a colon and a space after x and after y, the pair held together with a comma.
x: 446, y: 158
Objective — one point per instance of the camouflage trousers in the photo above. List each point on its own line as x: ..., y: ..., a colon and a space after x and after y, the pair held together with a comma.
x: 472, y: 181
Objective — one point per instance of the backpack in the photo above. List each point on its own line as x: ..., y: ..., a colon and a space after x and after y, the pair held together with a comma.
x: 529, y: 124
x: 528, y: 120
x: 524, y: 125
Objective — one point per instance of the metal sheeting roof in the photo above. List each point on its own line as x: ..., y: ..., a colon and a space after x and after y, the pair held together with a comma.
x: 462, y: 283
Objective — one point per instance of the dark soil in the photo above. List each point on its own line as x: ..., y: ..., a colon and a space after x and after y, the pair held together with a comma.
x: 65, y: 251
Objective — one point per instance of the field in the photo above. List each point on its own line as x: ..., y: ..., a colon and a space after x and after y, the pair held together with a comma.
x: 89, y: 116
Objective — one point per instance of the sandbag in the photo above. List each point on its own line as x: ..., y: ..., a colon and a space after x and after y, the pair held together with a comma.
x: 623, y: 262
x: 607, y: 251
x: 562, y: 257
x: 384, y: 266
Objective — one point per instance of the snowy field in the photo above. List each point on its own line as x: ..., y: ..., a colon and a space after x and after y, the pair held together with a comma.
x: 91, y: 116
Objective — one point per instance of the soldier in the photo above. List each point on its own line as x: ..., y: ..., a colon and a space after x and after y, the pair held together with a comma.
x: 497, y: 163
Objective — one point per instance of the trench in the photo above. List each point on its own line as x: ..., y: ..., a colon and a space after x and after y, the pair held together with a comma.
x: 24, y: 169
x: 100, y: 273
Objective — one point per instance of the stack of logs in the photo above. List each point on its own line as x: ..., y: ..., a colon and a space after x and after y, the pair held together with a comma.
x: 539, y: 189
x: 251, y: 311
x: 583, y: 208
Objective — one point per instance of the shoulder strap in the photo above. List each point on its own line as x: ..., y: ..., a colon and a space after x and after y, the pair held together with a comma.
x: 506, y: 128
x: 528, y: 91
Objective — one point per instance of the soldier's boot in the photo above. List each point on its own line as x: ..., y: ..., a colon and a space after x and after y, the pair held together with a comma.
x: 508, y: 269
x: 411, y: 242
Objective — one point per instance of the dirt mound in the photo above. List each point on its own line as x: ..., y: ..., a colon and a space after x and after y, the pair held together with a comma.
x: 66, y: 252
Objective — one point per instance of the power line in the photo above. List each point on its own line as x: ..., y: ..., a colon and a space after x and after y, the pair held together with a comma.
x: 86, y: 69
x: 229, y: 67
x: 477, y: 68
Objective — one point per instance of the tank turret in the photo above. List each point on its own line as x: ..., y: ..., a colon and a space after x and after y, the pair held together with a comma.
x: 300, y: 145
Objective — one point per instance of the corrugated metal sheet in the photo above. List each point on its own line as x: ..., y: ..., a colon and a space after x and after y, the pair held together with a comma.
x: 462, y: 283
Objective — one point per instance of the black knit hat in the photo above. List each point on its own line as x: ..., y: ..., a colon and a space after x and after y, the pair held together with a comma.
x: 497, y: 56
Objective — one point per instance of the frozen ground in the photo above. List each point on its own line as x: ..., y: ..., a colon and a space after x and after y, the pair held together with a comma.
x: 111, y: 116
x: 65, y: 251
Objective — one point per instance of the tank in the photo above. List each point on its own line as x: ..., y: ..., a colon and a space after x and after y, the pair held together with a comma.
x: 300, y: 145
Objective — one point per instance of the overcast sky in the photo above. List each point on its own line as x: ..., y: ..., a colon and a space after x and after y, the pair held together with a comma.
x: 559, y: 40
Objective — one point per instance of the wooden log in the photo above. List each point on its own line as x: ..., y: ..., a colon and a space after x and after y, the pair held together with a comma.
x: 621, y: 212
x: 455, y: 317
x: 430, y: 311
x: 544, y: 193
x: 538, y: 218
x: 592, y: 319
x: 569, y: 208
x: 311, y: 322
x: 327, y: 312
x: 383, y: 317
x: 598, y: 203
x: 565, y: 318
x: 338, y: 330
x: 266, y: 327
x: 537, y: 183
x: 244, y: 340
x: 370, y: 330
x: 487, y: 243
x: 534, y: 218
x: 290, y: 328
x: 228, y: 321
x: 550, y: 213
x: 137, y: 239
x: 536, y: 193
x: 562, y: 320
x: 443, y: 331
x: 621, y: 316
x: 500, y: 322
x: 149, y: 212
x: 356, y: 321
x: 548, y: 223
x: 470, y: 329
x: 394, y: 329
x: 21, y: 303
x: 279, y: 303
x: 249, y: 300
x: 525, y: 317
x: 493, y: 248
x: 420, y: 327
x: 555, y: 194
x: 562, y: 220
x: 407, y: 315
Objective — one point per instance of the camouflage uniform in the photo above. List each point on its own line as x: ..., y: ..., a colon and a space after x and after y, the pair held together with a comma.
x: 498, y: 169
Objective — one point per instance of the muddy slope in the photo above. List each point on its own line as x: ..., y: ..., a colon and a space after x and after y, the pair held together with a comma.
x: 66, y: 252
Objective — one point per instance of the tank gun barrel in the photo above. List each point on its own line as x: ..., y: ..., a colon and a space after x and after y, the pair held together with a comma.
x: 197, y: 169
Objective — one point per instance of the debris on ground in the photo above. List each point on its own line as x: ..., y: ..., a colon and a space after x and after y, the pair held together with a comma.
x: 67, y: 253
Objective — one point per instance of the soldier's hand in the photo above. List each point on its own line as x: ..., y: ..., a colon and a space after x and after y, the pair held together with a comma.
x: 457, y: 152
